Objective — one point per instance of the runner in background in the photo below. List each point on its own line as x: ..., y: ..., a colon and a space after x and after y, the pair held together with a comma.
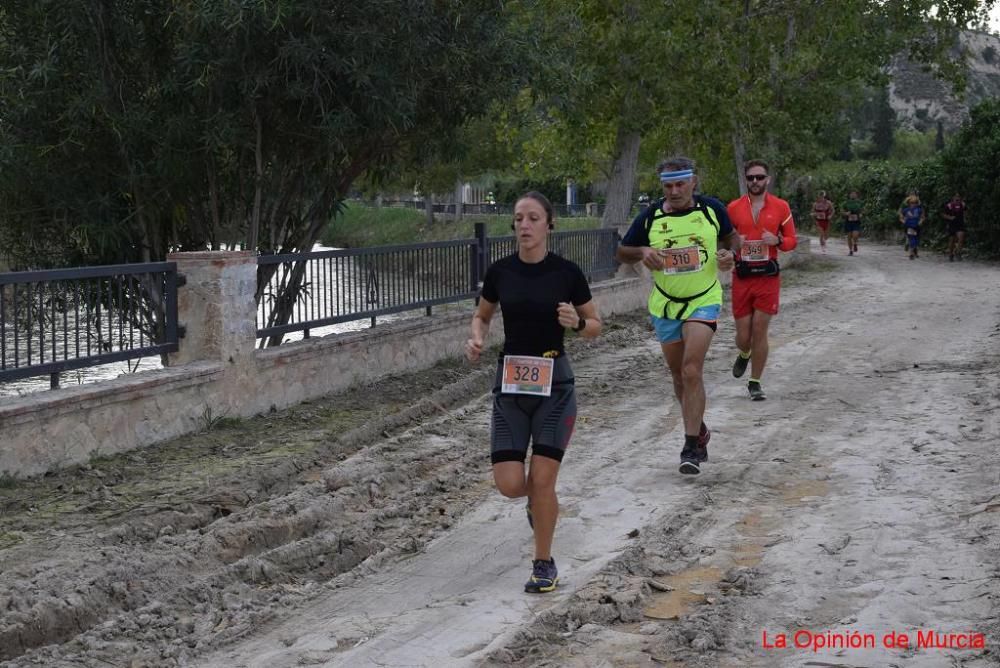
x: 822, y: 213
x: 853, y: 210
x: 541, y: 295
x: 683, y: 239
x: 954, y: 213
x: 765, y: 226
x: 911, y: 215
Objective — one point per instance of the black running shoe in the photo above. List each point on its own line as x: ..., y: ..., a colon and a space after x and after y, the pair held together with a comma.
x: 691, y: 460
x: 756, y: 391
x: 544, y: 577
x: 740, y: 365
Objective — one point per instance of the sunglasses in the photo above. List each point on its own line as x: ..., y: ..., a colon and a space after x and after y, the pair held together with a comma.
x: 756, y: 177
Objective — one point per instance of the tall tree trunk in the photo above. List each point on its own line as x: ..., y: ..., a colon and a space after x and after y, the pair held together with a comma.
x: 739, y: 157
x: 739, y: 147
x: 621, y: 185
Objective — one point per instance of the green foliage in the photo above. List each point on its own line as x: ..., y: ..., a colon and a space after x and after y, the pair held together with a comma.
x: 883, y: 134
x: 719, y: 81
x: 359, y: 226
x: 970, y: 165
x: 912, y: 146
x: 131, y: 129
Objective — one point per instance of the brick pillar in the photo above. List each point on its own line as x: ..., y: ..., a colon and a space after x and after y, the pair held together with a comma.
x: 216, y: 306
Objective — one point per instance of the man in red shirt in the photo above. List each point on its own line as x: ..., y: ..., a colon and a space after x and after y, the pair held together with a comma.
x: 765, y: 226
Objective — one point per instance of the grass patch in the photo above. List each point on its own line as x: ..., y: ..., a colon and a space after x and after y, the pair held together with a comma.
x: 10, y: 539
x: 364, y: 226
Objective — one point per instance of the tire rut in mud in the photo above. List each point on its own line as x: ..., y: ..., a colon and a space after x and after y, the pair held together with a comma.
x: 209, y: 559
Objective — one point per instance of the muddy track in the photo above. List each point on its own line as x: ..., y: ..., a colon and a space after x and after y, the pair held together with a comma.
x: 869, y: 511
x: 202, y: 540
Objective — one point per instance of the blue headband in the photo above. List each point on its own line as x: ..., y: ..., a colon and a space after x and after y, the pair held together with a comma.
x: 676, y: 176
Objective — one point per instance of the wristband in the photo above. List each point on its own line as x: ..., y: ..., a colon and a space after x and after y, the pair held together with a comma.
x: 581, y: 326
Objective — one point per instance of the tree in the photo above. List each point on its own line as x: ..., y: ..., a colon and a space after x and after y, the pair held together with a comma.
x: 883, y: 132
x: 722, y: 80
x: 969, y: 167
x: 130, y: 129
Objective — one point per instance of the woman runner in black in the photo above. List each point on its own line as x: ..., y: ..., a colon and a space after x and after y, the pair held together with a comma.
x: 540, y: 295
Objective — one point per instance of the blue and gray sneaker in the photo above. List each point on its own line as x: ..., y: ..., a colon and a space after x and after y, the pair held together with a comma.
x: 544, y: 577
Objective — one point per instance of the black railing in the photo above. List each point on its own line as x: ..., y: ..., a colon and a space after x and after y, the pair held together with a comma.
x: 353, y: 284
x: 58, y: 320
x: 339, y: 286
x: 592, y: 250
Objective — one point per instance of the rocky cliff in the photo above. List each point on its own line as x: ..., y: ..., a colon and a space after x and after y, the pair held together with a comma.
x: 920, y: 100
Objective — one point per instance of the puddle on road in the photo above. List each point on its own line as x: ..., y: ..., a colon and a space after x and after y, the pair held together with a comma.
x: 688, y: 589
x: 799, y: 491
x: 755, y: 532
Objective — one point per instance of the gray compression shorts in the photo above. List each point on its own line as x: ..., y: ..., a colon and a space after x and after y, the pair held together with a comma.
x: 546, y: 422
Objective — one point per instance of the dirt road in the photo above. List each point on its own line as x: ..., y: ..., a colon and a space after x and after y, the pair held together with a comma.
x: 858, y: 503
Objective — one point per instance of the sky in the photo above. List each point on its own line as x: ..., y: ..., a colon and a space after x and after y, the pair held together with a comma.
x: 995, y: 19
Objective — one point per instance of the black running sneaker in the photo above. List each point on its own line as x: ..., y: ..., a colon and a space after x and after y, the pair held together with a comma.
x: 691, y: 459
x: 544, y: 577
x: 756, y: 391
x: 740, y: 365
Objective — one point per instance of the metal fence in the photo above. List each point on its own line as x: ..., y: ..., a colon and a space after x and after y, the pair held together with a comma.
x: 355, y: 284
x: 59, y: 320
x: 592, y: 250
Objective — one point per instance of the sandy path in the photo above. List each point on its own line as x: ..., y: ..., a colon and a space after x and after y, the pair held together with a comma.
x: 850, y: 498
x: 862, y: 496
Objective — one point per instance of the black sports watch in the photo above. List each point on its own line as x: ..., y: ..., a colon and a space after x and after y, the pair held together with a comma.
x: 580, y: 327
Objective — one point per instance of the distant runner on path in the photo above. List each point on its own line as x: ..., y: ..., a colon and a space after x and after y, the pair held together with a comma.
x: 541, y: 295
x: 822, y: 213
x: 912, y: 215
x: 683, y: 239
x: 853, y: 209
x: 954, y: 213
